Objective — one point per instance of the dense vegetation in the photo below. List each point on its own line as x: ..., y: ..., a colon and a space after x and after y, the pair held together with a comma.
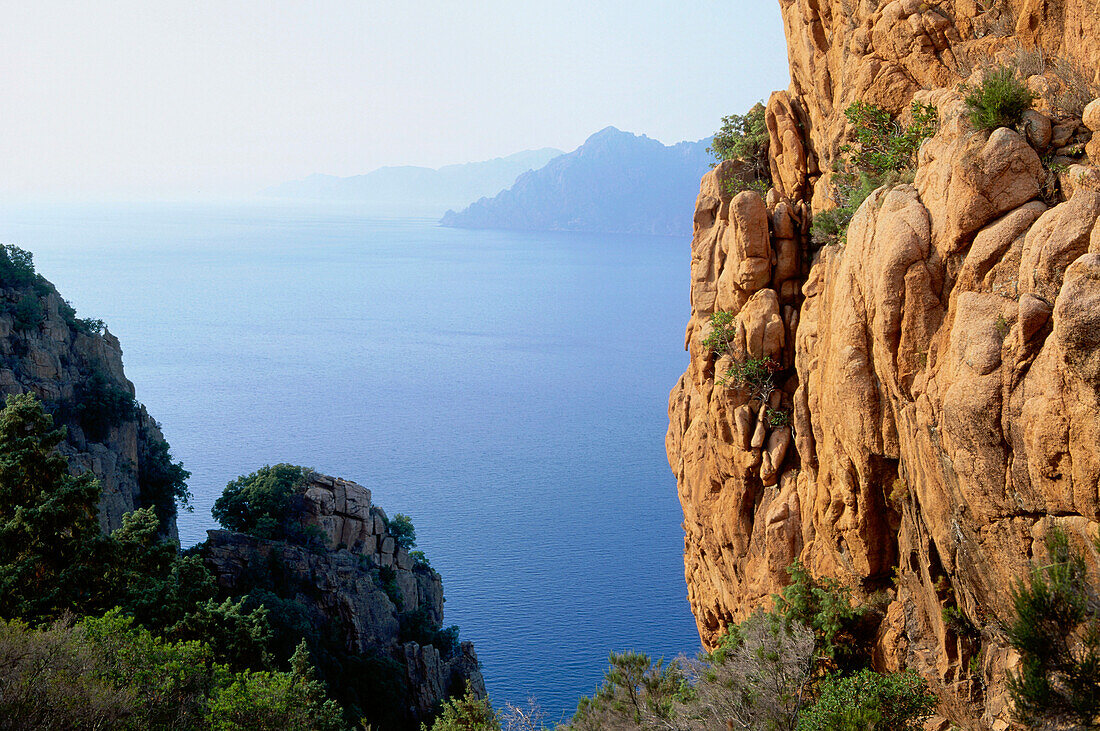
x: 153, y: 645
x: 744, y: 139
x: 265, y: 503
x: 800, y: 667
x: 883, y: 152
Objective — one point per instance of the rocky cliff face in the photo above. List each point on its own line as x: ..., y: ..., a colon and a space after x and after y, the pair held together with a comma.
x: 942, y: 367
x: 75, y: 367
x: 362, y: 587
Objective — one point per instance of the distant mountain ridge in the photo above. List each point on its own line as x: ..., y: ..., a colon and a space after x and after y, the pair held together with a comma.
x: 616, y: 182
x: 427, y: 190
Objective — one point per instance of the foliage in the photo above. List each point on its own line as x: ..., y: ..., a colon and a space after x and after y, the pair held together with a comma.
x: 777, y: 418
x: 999, y: 101
x: 107, y: 672
x: 17, y: 270
x: 723, y: 328
x: 419, y: 559
x: 870, y: 701
x: 754, y: 374
x: 417, y: 626
x: 26, y: 313
x: 102, y: 403
x: 824, y: 606
x: 635, y: 690
x: 163, y: 482
x: 387, y: 578
x: 957, y: 621
x: 744, y: 138
x: 48, y: 521
x: 882, y: 153
x: 468, y: 713
x: 261, y: 504
x: 1056, y: 630
x: 881, y: 144
x: 293, y: 701
x: 401, y: 528
x: 758, y: 678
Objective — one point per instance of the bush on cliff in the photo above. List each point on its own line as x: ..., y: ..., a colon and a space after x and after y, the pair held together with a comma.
x: 1000, y: 100
x: 883, y: 152
x: 870, y: 701
x: 263, y: 503
x: 1056, y: 630
x: 744, y: 138
x: 401, y: 528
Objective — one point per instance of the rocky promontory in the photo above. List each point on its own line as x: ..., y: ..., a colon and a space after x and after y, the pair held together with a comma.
x: 936, y: 369
x: 351, y: 576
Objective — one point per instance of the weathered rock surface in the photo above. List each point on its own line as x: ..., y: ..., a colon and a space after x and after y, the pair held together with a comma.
x: 57, y: 359
x: 940, y: 369
x: 341, y: 589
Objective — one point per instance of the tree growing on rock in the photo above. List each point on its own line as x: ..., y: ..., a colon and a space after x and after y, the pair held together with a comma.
x: 1056, y: 630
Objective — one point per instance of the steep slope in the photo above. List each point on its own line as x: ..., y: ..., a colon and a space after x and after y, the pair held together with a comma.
x: 75, y: 367
x: 940, y: 366
x: 425, y: 191
x: 616, y: 182
x: 365, y: 597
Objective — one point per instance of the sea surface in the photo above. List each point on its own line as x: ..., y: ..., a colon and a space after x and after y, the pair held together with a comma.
x: 506, y: 390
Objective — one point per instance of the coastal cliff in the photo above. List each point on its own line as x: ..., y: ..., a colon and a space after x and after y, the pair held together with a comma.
x: 366, y: 597
x: 940, y: 368
x: 74, y: 366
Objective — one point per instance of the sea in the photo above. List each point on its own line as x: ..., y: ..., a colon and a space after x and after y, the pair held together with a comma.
x: 507, y: 390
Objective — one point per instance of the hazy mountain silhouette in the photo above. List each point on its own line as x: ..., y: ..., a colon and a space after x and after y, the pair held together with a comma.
x: 616, y: 182
x: 426, y: 191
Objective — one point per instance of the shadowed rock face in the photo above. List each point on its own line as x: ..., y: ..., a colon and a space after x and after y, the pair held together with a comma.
x: 340, y: 588
x: 54, y: 359
x: 941, y: 367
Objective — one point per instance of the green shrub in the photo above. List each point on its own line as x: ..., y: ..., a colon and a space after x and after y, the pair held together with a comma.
x: 825, y: 606
x: 957, y: 621
x: 27, y: 313
x: 883, y: 153
x: 401, y: 528
x: 417, y: 626
x: 17, y: 269
x: 723, y: 328
x: 101, y: 403
x: 999, y: 101
x: 263, y: 503
x: 1056, y: 630
x: 387, y: 579
x: 468, y: 713
x: 745, y: 139
x: 870, y: 701
x: 777, y: 418
x: 881, y: 144
x: 163, y: 483
x: 419, y: 559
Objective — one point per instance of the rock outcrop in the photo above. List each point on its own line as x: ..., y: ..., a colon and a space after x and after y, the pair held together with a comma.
x: 362, y: 587
x: 75, y: 367
x: 940, y: 368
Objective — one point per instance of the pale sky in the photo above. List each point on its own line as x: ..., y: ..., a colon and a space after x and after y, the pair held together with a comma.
x: 151, y: 98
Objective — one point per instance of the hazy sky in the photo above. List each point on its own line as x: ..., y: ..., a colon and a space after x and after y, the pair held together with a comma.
x: 158, y: 98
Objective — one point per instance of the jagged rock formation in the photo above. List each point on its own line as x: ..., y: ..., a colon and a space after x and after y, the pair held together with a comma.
x: 343, y: 588
x: 942, y: 367
x: 75, y: 367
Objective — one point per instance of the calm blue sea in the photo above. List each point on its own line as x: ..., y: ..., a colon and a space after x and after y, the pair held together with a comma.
x: 507, y: 390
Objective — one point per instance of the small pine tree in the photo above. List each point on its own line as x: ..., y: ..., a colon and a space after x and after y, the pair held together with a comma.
x: 1057, y: 633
